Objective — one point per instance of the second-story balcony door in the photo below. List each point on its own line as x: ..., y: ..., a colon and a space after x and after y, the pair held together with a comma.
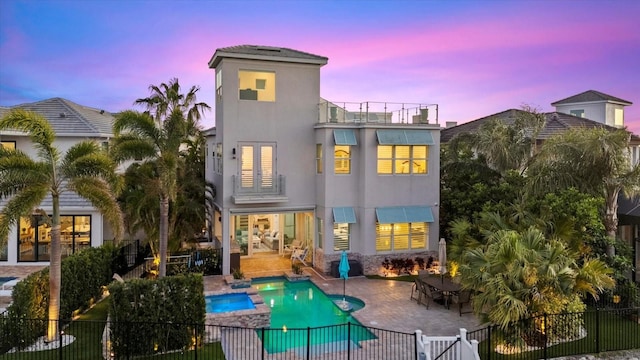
x: 257, y: 167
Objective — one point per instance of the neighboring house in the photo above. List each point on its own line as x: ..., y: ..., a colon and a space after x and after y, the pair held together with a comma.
x: 82, y: 225
x: 589, y: 109
x: 294, y: 171
x: 596, y: 106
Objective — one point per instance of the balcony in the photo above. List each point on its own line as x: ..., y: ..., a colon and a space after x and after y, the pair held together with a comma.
x: 377, y: 113
x: 259, y: 189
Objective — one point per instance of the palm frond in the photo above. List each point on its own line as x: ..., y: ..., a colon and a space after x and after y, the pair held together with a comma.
x: 21, y: 204
x: 100, y: 194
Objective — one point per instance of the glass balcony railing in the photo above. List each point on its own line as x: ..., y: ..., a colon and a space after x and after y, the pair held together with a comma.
x: 377, y: 112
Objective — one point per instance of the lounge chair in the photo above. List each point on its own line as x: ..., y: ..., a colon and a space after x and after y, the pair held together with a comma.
x: 300, y: 255
x: 461, y: 298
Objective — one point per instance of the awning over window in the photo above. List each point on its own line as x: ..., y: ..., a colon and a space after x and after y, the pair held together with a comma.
x: 404, y: 214
x: 344, y: 215
x: 345, y: 137
x: 404, y: 137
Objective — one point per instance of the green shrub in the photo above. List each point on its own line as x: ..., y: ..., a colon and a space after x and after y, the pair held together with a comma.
x: 152, y: 316
x: 83, y: 276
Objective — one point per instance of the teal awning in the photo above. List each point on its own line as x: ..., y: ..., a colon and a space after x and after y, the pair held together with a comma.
x: 404, y: 214
x: 404, y: 137
x: 344, y: 215
x: 344, y: 137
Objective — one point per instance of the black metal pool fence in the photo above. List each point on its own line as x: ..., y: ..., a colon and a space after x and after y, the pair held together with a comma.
x: 83, y: 339
x: 551, y: 336
x: 542, y: 337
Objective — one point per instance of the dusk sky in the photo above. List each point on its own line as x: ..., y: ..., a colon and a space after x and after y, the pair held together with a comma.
x: 472, y: 58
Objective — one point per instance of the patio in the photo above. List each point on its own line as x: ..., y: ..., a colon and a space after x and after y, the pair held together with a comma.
x: 388, y: 305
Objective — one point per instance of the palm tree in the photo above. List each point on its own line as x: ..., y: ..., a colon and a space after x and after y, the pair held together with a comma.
x: 25, y: 182
x: 594, y: 161
x: 519, y: 274
x: 504, y: 146
x: 156, y: 136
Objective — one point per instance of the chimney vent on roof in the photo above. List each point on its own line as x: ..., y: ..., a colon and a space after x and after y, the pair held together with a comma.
x: 62, y: 115
x: 101, y: 111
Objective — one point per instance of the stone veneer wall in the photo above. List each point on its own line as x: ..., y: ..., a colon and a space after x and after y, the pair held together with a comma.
x: 256, y: 318
x: 371, y: 264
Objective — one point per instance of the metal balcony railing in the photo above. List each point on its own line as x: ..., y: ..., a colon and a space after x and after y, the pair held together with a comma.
x: 259, y: 185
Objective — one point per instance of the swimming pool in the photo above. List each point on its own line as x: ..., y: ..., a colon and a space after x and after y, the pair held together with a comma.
x: 296, y: 306
x: 228, y: 302
x: 4, y: 279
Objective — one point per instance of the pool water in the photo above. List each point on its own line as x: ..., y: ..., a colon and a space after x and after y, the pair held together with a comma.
x: 4, y: 279
x: 228, y: 302
x: 297, y: 305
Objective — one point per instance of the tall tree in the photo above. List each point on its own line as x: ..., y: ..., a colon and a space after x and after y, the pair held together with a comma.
x: 25, y: 182
x: 156, y: 135
x: 505, y: 147
x: 594, y: 161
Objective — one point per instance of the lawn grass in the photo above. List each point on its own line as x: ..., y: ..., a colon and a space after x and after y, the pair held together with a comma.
x: 610, y: 332
x: 88, y: 330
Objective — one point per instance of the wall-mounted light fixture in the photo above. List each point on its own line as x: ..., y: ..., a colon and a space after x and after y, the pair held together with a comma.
x: 233, y: 153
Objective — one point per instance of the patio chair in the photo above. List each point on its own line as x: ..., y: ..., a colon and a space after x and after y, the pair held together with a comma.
x: 461, y: 298
x: 429, y: 293
x: 290, y: 248
x: 300, y: 255
x: 417, y: 288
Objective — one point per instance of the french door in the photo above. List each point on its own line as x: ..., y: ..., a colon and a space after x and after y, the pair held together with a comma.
x: 257, y: 167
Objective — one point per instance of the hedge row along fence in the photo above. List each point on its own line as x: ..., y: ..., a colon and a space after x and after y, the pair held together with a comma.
x: 83, y: 278
x: 143, y: 313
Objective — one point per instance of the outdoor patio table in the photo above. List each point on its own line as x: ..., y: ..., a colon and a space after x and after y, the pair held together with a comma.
x: 442, y: 283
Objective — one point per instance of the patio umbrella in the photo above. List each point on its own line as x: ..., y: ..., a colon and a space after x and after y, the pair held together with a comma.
x: 442, y: 256
x: 344, y: 268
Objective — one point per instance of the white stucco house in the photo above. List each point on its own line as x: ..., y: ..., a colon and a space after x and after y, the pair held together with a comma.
x: 82, y: 225
x: 295, y: 171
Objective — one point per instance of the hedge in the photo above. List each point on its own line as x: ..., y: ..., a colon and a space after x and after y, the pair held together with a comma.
x: 142, y: 312
x: 83, y: 275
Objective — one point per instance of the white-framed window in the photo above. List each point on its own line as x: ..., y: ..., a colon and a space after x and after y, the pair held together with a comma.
x: 341, y: 236
x: 618, y: 117
x: 257, y: 85
x: 342, y: 155
x: 318, y: 158
x: 403, y: 159
x: 401, y: 236
x: 8, y: 144
x: 217, y: 159
x: 577, y: 112
x: 219, y: 83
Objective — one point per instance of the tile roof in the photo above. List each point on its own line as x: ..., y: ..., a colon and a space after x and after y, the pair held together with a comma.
x: 68, y: 200
x: 556, y: 123
x: 70, y: 119
x: 268, y: 53
x: 590, y: 96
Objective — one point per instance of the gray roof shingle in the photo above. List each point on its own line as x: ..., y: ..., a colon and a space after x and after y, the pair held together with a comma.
x: 590, y: 96
x: 70, y: 119
x: 556, y: 123
x: 268, y: 53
